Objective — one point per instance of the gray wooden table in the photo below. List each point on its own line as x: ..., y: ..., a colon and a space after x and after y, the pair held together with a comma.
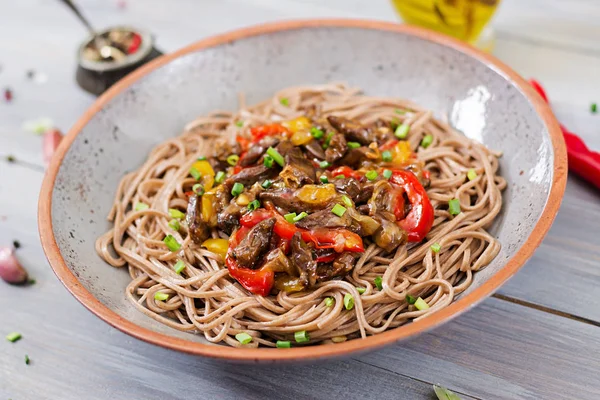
x: 538, y: 338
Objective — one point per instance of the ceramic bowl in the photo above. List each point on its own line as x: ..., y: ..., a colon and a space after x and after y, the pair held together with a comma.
x: 482, y: 97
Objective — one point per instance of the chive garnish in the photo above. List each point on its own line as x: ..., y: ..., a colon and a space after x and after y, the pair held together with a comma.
x: 13, y: 336
x: 284, y: 101
x: 402, y: 131
x: 172, y: 243
x: 300, y: 216
x: 371, y: 175
x: 347, y: 201
x: 161, y: 296
x: 410, y: 299
x: 195, y: 173
x: 141, y: 206
x: 220, y: 177
x: 329, y: 301
x: 278, y: 158
x: 174, y: 213
x: 179, y: 266
x: 387, y: 174
x: 386, y: 156
x: 253, y: 205
x: 353, y: 145
x: 348, y: 301
x: 426, y: 142
x: 378, y: 281
x: 174, y: 224
x: 361, y: 290
x: 283, y: 344
x: 233, y: 159
x: 436, y: 247
x: 454, y: 207
x: 301, y: 336
x: 324, y: 164
x: 316, y: 133
x: 243, y: 338
x: 198, y: 189
x: 266, y: 184
x: 324, y: 179
x: 420, y: 304
x: 338, y: 210
x: 290, y: 217
x: 237, y: 189
x: 471, y: 174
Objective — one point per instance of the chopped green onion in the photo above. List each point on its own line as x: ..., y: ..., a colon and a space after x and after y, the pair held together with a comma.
x: 266, y: 184
x: 328, y: 140
x: 402, y: 131
x: 340, y: 176
x: 378, y: 281
x: 324, y: 164
x: 348, y: 301
x: 594, y: 108
x: 436, y: 247
x: 174, y: 224
x: 471, y: 174
x: 243, y: 338
x: 444, y: 394
x: 253, y: 205
x: 278, y: 158
x: 203, y: 158
x: 220, y: 177
x: 329, y: 301
x: 300, y: 216
x: 454, y: 207
x: 387, y: 174
x: 13, y: 337
x: 347, y: 201
x: 386, y: 156
x: 290, y: 217
x: 361, y: 290
x: 371, y: 175
x: 161, y: 296
x: 239, y: 124
x: 179, y: 266
x: 198, y: 189
x: 27, y: 359
x: 233, y: 159
x: 420, y: 304
x: 283, y: 344
x: 353, y: 145
x: 284, y: 101
x: 316, y: 133
x: 174, y: 213
x: 410, y: 299
x: 141, y: 206
x: 324, y: 179
x: 426, y: 142
x: 399, y: 111
x: 301, y: 336
x: 172, y: 243
x: 195, y: 173
x: 338, y: 210
x: 268, y: 161
x: 237, y: 189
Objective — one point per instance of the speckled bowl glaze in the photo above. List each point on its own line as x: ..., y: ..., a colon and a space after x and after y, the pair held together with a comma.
x: 481, y: 96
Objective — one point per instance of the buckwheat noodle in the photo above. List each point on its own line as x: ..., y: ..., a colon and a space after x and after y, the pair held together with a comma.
x: 205, y: 300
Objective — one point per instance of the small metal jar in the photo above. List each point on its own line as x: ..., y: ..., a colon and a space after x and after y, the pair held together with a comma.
x: 97, y: 76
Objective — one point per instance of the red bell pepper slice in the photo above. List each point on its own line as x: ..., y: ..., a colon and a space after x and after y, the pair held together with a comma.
x: 244, y: 143
x: 136, y: 41
x: 347, y: 172
x: 258, y: 281
x: 419, y: 220
x: 337, y: 239
x: 259, y: 132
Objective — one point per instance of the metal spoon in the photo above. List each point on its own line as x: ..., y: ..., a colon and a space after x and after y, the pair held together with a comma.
x: 105, y: 47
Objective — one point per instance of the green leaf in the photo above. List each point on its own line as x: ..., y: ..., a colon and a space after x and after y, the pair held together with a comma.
x: 444, y: 394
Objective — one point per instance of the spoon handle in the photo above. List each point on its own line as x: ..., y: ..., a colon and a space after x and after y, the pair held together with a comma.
x: 77, y: 12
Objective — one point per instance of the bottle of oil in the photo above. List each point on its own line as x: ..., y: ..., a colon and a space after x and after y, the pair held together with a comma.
x: 462, y: 19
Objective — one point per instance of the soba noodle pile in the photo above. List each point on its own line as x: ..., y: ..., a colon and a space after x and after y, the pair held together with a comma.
x: 204, y: 299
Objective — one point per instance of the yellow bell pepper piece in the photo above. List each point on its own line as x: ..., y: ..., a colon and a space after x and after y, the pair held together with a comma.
x: 207, y: 172
x: 217, y: 246
x: 317, y: 194
x: 297, y: 124
x: 301, y: 137
x: 208, y: 210
x: 402, y: 153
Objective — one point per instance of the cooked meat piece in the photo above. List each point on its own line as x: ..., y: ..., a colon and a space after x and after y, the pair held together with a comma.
x: 298, y: 169
x: 390, y: 235
x: 250, y: 249
x: 342, y: 266
x: 355, y: 157
x: 314, y: 149
x: 384, y: 198
x: 199, y: 230
x: 256, y: 150
x: 352, y: 220
x: 325, y: 219
x: 337, y: 148
x: 278, y: 262
x: 286, y: 200
x: 228, y: 219
x: 353, y: 188
x: 303, y: 260
x: 384, y: 130
x: 249, y: 176
x: 354, y: 131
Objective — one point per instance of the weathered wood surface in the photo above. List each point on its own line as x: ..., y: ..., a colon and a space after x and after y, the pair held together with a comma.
x: 538, y: 339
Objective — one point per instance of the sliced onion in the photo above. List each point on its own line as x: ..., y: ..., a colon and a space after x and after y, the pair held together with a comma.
x: 52, y: 138
x: 10, y: 269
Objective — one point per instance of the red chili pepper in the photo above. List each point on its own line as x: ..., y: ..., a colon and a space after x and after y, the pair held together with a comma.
x: 259, y: 132
x: 327, y: 258
x: 258, y: 281
x: 136, y: 41
x: 244, y: 143
x: 390, y: 144
x: 338, y: 239
x: 426, y: 174
x: 419, y: 220
x: 582, y: 161
x: 398, y: 204
x: 237, y: 169
x: 347, y: 172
